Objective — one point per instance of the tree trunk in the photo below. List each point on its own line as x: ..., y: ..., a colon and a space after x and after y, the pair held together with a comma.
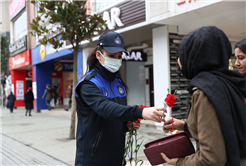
x: 73, y: 115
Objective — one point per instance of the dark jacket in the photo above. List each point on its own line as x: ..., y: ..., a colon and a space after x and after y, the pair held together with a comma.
x: 29, y: 99
x: 102, y: 118
x: 47, y: 94
x: 70, y: 93
x: 11, y: 100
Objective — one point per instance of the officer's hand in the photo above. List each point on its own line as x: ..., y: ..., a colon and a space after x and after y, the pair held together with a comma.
x: 154, y: 114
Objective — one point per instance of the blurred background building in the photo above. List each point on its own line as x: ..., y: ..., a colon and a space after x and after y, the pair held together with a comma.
x: 152, y: 33
x: 4, y: 31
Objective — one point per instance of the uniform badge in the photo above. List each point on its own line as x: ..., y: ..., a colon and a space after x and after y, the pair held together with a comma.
x: 105, y: 92
x: 121, y: 90
x: 117, y: 40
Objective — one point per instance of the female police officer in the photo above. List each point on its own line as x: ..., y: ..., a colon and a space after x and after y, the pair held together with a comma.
x: 102, y: 106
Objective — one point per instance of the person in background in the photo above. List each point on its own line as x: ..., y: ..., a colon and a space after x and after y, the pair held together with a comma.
x: 4, y: 98
x: 48, y: 96
x: 54, y: 93
x: 102, y: 109
x: 11, y: 101
x: 28, y: 97
x: 240, y: 55
x: 70, y: 97
x: 217, y: 114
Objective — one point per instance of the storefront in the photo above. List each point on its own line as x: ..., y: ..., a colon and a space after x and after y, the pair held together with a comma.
x: 20, y: 14
x: 53, y: 67
x: 21, y: 75
x: 159, y: 28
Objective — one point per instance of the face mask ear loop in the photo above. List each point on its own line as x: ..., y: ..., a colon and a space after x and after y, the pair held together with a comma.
x: 103, y: 57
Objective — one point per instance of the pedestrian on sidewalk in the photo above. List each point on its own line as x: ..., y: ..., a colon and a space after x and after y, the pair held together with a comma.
x: 48, y: 96
x: 240, y: 55
x: 217, y: 117
x: 102, y: 106
x: 54, y: 93
x: 70, y: 97
x: 28, y: 98
x: 11, y: 102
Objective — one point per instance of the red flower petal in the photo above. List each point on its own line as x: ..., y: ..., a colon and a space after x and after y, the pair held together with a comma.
x: 170, y: 100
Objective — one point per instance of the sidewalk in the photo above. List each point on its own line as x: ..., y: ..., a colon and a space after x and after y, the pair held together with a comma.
x: 14, y: 152
x: 47, y: 133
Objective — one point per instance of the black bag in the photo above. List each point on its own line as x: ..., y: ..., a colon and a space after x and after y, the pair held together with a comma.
x: 24, y: 101
x: 7, y: 104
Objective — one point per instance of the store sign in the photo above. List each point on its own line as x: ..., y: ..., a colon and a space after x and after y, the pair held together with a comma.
x: 15, y: 7
x: 114, y: 19
x: 18, y: 46
x: 135, y: 56
x: 44, y: 53
x: 62, y: 66
x: 183, y: 1
x: 124, y: 14
x: 29, y: 73
x: 21, y: 60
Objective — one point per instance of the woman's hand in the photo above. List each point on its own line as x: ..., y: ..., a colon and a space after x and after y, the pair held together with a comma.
x: 136, y: 125
x: 177, y: 124
x: 154, y: 114
x: 172, y: 161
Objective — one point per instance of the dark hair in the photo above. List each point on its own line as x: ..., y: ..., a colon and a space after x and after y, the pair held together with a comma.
x: 241, y: 45
x: 92, y: 60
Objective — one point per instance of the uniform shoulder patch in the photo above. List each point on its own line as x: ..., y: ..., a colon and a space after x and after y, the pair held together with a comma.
x: 121, y: 90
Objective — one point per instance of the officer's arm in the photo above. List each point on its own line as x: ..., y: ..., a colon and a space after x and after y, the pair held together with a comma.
x: 105, y: 108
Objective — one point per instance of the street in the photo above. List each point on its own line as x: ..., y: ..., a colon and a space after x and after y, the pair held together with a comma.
x: 48, y: 132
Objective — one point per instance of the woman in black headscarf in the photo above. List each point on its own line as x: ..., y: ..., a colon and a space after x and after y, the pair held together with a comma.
x: 240, y: 55
x: 217, y: 115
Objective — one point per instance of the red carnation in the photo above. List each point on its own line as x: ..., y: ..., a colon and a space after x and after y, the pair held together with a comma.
x: 139, y: 120
x: 170, y: 100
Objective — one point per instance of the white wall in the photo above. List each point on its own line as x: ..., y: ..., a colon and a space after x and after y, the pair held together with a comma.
x: 86, y: 53
x: 172, y: 9
x: 161, y: 66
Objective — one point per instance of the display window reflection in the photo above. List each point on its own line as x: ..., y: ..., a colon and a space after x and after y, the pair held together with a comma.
x: 20, y: 26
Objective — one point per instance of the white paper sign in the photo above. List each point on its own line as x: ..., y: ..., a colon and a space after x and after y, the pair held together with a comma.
x: 34, y: 89
x: 19, y: 90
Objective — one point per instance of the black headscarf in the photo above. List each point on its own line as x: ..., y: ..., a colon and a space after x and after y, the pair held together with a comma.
x: 204, y: 55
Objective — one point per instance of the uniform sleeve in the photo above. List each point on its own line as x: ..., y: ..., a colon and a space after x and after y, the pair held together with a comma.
x: 105, y: 108
x: 212, y: 150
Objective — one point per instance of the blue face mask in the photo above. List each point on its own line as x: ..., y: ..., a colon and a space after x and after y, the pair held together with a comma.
x: 111, y: 64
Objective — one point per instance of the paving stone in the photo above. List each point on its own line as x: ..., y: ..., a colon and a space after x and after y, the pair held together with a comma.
x: 14, y: 152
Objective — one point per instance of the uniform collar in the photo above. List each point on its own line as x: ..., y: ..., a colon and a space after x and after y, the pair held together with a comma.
x: 104, y: 72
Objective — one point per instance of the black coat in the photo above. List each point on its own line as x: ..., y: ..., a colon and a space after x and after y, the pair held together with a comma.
x: 11, y: 100
x: 29, y: 99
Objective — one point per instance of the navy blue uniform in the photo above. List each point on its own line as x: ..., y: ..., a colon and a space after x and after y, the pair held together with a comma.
x: 102, y: 118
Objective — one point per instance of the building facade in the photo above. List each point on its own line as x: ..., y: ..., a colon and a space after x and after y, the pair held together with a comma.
x: 152, y: 32
x: 156, y: 28
x: 5, y: 87
x: 20, y: 15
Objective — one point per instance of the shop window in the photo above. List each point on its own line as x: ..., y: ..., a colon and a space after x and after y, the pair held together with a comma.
x: 20, y: 25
